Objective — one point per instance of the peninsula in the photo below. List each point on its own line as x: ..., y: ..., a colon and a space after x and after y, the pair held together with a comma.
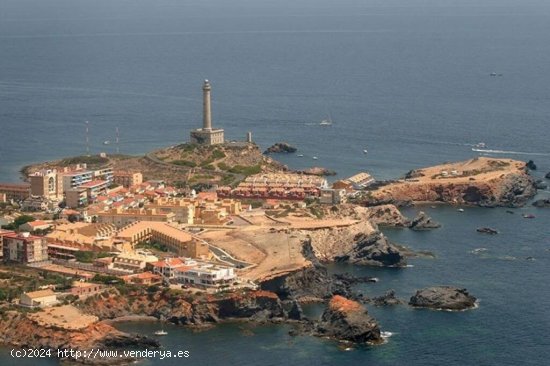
x: 213, y: 230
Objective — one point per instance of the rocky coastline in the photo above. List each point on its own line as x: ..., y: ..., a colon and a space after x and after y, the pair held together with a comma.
x: 483, y: 182
x: 19, y: 330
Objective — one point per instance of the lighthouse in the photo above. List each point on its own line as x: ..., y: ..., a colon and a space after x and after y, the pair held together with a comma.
x: 207, y: 135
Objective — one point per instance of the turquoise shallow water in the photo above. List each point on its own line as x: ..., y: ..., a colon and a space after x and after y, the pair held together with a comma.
x: 409, y: 80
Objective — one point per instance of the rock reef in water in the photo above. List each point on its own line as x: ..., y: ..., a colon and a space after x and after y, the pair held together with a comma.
x: 540, y: 184
x: 547, y: 176
x: 531, y: 165
x: 280, y: 147
x: 487, y: 230
x: 443, y: 298
x: 318, y: 171
x: 423, y: 222
x: 348, y: 320
x: 388, y: 299
x: 542, y: 203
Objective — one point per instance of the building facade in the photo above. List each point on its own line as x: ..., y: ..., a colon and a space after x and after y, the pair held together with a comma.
x: 41, y: 298
x: 24, y: 248
x: 127, y: 179
x: 45, y: 183
x: 15, y: 191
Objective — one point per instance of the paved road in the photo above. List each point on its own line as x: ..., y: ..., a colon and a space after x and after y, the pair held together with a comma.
x: 223, y: 256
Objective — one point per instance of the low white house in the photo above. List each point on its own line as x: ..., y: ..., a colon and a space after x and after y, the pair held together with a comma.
x: 41, y: 298
x: 206, y: 275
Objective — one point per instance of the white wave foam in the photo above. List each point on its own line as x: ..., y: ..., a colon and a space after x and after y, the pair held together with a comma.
x: 488, y: 151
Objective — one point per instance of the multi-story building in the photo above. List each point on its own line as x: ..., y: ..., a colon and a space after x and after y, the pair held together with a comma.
x: 282, y: 186
x: 45, y: 183
x: 105, y: 174
x: 24, y: 248
x: 76, y: 197
x: 183, y: 208
x: 356, y: 182
x: 127, y: 179
x: 132, y: 262
x: 122, y: 217
x: 176, y: 240
x: 76, y: 178
x: 15, y: 191
x: 167, y: 267
x: 332, y: 196
x: 205, y: 275
x: 2, y: 233
x: 95, y: 188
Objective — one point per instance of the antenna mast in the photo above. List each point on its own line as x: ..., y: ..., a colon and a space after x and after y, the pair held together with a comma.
x: 87, y: 138
x: 117, y: 141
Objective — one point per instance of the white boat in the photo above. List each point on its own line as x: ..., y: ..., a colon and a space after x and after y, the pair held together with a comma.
x: 106, y: 142
x: 161, y: 332
x: 365, y: 151
x: 460, y: 210
x: 481, y: 145
x: 326, y: 122
x: 300, y: 155
x: 315, y: 158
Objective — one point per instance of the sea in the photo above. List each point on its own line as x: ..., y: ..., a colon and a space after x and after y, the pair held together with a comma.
x: 413, y: 82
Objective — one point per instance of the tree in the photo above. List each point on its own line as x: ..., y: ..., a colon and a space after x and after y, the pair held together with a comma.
x: 73, y: 218
x: 23, y: 219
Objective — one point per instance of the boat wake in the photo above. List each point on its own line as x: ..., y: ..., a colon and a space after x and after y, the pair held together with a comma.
x: 489, y: 151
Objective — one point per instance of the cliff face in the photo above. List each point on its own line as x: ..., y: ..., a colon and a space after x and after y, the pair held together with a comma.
x: 360, y: 243
x: 174, y: 307
x: 19, y: 330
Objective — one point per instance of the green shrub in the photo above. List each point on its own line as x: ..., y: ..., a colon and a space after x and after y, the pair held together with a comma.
x: 217, y: 154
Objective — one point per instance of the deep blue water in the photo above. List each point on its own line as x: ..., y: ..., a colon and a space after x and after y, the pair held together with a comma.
x: 408, y: 80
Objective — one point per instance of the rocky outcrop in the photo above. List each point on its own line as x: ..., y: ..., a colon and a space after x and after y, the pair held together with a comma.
x: 388, y: 299
x: 540, y: 184
x: 542, y: 203
x: 347, y: 320
x: 352, y: 279
x: 280, y: 147
x: 374, y: 250
x: 186, y: 309
x: 531, y: 165
x: 547, y: 176
x: 443, y: 298
x: 318, y: 171
x: 487, y: 230
x: 481, y: 181
x: 423, y: 222
x: 386, y: 215
x: 306, y: 285
x: 359, y: 243
x: 18, y: 330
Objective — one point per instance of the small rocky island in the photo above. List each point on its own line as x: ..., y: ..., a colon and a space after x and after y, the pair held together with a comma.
x: 443, y: 298
x: 348, y: 320
x: 423, y: 222
x: 280, y: 147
